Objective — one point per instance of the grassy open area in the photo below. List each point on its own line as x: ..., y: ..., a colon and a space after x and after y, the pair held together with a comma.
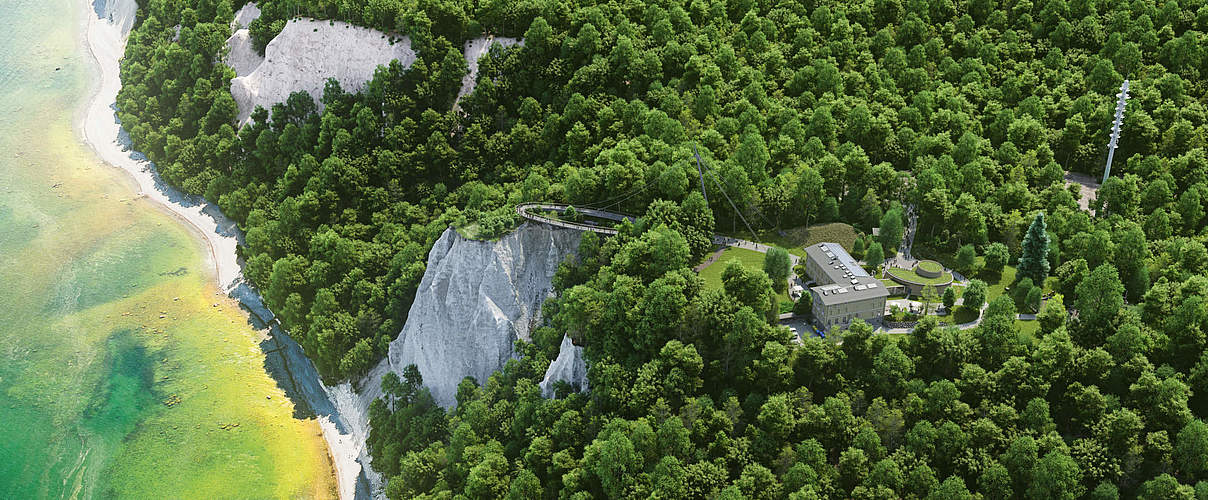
x: 997, y: 282
x: 910, y: 275
x: 1027, y: 329
x: 962, y: 314
x: 796, y: 239
x: 749, y: 258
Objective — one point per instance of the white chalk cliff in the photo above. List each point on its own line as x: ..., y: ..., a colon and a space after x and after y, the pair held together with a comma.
x: 475, y: 299
x: 241, y: 55
x: 120, y: 14
x: 245, y: 16
x: 569, y: 367
x: 305, y: 54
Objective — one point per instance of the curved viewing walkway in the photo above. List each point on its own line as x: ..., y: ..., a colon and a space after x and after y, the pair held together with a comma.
x: 523, y: 211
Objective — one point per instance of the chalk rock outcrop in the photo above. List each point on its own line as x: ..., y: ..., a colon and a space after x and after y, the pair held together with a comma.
x: 245, y: 16
x: 569, y: 367
x: 473, y: 51
x: 241, y: 55
x: 475, y: 299
x: 119, y: 13
x: 308, y: 52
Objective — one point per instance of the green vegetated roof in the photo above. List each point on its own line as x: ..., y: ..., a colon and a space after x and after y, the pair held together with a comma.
x: 912, y: 276
x: 930, y: 266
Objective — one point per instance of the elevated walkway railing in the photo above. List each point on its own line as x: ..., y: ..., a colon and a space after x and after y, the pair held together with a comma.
x: 528, y: 211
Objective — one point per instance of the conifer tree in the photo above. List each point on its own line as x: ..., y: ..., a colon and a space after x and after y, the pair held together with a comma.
x: 1034, y: 262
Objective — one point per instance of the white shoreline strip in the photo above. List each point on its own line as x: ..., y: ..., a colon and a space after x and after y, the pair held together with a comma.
x: 100, y: 130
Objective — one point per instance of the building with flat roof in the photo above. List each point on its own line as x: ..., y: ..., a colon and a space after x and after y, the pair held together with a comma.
x: 843, y: 291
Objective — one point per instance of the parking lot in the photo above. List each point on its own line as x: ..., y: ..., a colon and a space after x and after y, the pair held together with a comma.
x: 804, y: 328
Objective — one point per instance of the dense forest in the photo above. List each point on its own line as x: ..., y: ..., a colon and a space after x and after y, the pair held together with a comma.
x: 805, y: 112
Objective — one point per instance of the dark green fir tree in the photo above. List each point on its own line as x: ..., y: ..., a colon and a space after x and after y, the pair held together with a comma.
x: 1034, y: 261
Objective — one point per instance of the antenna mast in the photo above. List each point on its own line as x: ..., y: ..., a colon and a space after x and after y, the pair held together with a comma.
x: 1115, y: 136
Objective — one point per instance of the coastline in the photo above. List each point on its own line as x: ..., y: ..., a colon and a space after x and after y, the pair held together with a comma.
x: 99, y: 129
x: 97, y: 126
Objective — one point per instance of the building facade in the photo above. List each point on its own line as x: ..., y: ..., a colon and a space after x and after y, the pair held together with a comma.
x: 843, y: 291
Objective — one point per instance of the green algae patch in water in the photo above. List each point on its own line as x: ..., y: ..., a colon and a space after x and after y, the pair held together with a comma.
x: 124, y: 394
x: 204, y: 354
x: 123, y: 372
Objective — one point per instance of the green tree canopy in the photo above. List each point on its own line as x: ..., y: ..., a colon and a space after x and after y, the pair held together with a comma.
x: 777, y: 265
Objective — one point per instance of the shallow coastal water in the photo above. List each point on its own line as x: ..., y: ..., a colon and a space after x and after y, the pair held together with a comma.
x: 123, y: 371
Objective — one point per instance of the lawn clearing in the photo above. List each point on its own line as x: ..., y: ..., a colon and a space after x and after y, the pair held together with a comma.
x: 998, y: 287
x: 749, y: 258
x: 1027, y: 329
x: 796, y: 239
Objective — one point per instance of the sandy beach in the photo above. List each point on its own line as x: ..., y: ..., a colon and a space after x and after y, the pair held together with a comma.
x: 99, y: 128
x: 97, y: 125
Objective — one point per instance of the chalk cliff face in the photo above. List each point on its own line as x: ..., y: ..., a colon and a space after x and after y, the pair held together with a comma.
x: 241, y: 55
x: 245, y: 16
x: 304, y: 55
x: 569, y: 367
x: 475, y: 299
x: 119, y: 13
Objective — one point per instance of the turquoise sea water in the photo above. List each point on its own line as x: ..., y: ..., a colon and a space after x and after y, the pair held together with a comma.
x: 122, y: 373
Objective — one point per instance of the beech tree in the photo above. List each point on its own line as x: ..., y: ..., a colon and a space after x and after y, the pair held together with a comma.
x: 966, y: 259
x: 997, y: 256
x: 1056, y: 475
x: 874, y: 256
x: 1100, y: 297
x: 975, y: 295
x: 777, y: 265
x: 890, y: 235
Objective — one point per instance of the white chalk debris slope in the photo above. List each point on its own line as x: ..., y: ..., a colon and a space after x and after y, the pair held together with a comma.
x: 308, y: 52
x: 120, y: 14
x: 473, y: 51
x: 475, y: 299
